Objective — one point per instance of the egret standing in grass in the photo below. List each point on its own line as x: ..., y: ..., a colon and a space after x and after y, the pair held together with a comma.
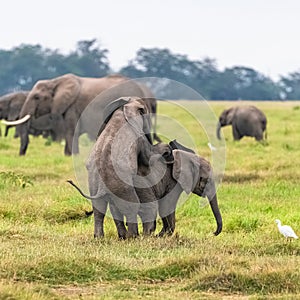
x: 285, y: 230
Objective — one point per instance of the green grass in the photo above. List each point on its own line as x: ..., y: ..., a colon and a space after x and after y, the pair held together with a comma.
x: 47, y: 250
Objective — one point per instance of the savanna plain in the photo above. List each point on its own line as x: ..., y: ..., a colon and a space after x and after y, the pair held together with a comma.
x: 47, y: 249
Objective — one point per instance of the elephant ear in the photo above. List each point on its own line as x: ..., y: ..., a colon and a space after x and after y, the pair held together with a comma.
x: 110, y: 109
x: 65, y: 91
x: 13, y: 113
x: 176, y: 145
x: 230, y: 114
x: 186, y: 169
x: 15, y: 105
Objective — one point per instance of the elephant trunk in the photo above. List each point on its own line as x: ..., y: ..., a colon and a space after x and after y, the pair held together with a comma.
x: 23, y: 132
x: 219, y: 130
x: 213, y: 201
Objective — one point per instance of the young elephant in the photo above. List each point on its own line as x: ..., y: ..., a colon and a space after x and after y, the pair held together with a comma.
x: 187, y: 172
x: 245, y: 121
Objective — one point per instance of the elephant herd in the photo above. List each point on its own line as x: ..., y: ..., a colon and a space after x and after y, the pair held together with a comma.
x: 125, y: 169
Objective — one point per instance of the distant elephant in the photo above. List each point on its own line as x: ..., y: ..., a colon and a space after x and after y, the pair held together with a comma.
x: 11, y: 105
x: 61, y: 100
x: 245, y: 121
x: 180, y: 169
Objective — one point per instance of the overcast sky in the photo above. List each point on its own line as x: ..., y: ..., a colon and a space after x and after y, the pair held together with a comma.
x: 263, y: 34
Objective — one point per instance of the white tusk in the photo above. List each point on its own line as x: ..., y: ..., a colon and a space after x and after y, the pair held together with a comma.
x: 17, y: 122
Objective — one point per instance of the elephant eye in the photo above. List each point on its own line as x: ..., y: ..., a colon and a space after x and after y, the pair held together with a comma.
x: 36, y: 97
x: 141, y: 111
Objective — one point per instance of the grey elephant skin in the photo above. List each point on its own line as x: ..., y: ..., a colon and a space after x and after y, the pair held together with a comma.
x: 245, y: 121
x: 187, y: 172
x: 11, y: 105
x: 172, y: 169
x: 56, y: 105
x: 113, y: 164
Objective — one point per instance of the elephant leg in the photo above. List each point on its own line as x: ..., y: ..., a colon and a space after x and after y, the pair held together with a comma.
x: 69, y: 142
x: 259, y: 135
x: 236, y: 135
x: 168, y: 225
x: 99, y: 208
x: 148, y: 210
x: 148, y: 213
x: 128, y: 204
x: 71, y: 146
x: 119, y: 221
x: 167, y: 208
x: 6, y: 131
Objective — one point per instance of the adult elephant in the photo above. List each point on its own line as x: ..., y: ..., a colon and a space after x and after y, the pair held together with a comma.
x: 245, y: 121
x: 11, y: 105
x: 159, y: 185
x: 113, y: 162
x: 56, y: 105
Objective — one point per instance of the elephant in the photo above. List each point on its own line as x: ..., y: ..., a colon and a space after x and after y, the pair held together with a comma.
x: 179, y: 170
x: 245, y: 121
x: 187, y: 172
x: 11, y: 105
x: 60, y: 102
x: 123, y: 141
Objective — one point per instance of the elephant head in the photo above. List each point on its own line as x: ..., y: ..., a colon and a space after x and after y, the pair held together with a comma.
x: 48, y: 98
x: 136, y: 113
x: 225, y: 119
x: 11, y: 105
x: 194, y: 174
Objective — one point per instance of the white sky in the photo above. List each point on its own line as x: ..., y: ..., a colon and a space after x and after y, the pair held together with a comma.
x: 263, y: 34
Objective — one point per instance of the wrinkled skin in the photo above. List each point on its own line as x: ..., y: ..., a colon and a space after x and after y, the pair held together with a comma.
x: 11, y: 105
x: 113, y: 164
x: 177, y: 170
x: 188, y: 172
x: 245, y: 121
x: 60, y: 101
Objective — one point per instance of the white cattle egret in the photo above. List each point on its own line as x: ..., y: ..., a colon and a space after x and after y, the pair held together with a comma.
x: 286, y: 230
x: 211, y: 147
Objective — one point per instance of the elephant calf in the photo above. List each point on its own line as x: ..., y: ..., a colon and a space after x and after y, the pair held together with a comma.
x: 245, y: 121
x: 187, y: 172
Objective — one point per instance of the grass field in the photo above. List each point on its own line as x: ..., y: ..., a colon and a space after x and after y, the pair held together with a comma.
x: 47, y: 250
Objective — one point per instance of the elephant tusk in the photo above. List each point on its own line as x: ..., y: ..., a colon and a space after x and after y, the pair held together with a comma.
x: 17, y: 122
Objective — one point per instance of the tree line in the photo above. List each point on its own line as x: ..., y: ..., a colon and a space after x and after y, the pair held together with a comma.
x: 22, y: 66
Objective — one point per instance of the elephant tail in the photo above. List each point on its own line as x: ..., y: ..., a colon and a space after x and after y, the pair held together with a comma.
x: 82, y: 193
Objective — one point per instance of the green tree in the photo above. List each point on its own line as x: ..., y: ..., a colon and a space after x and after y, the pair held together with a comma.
x: 163, y: 63
x: 290, y: 86
x: 89, y: 59
x: 246, y: 84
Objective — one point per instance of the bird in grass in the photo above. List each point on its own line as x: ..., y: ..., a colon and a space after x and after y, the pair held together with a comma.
x: 285, y: 230
x: 211, y: 147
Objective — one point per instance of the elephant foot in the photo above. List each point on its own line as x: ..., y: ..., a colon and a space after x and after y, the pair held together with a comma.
x: 99, y: 235
x: 149, y: 228
x: 166, y: 231
x: 132, y: 230
x: 122, y: 234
